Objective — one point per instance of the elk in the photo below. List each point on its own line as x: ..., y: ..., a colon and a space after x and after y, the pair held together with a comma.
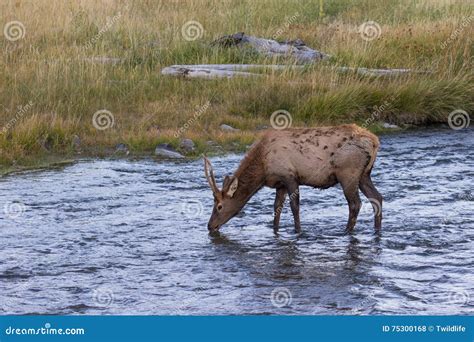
x: 285, y: 159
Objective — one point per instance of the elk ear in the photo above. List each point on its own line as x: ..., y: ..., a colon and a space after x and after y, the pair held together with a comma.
x: 233, y: 187
x: 209, y: 172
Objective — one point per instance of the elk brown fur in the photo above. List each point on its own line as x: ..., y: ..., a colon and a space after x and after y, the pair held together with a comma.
x: 285, y: 159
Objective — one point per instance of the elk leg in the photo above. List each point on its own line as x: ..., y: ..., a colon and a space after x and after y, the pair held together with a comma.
x: 294, y: 193
x: 278, y: 206
x: 369, y: 190
x: 351, y: 192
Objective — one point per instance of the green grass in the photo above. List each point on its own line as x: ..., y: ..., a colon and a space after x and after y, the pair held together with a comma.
x: 48, y: 68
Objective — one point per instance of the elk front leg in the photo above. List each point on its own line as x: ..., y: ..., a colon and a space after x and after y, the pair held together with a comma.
x: 294, y: 194
x: 278, y: 206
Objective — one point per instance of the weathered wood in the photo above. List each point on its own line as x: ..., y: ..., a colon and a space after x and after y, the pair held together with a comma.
x: 230, y: 70
x: 296, y: 49
x: 375, y: 72
x: 190, y: 71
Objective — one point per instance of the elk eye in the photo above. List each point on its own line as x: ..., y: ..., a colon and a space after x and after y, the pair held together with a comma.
x: 219, y: 207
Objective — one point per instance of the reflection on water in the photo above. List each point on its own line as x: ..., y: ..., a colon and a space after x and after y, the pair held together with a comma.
x: 130, y: 237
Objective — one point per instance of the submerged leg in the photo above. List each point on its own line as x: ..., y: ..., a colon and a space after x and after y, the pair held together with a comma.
x: 278, y: 206
x: 351, y: 192
x: 294, y: 193
x: 375, y: 198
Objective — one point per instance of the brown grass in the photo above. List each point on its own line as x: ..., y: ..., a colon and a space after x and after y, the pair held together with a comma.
x: 48, y: 68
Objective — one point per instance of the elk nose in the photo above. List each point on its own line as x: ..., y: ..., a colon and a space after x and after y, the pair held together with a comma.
x: 211, y: 228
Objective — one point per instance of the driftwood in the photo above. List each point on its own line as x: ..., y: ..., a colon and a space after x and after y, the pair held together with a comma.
x: 232, y: 70
x: 196, y: 71
x: 220, y: 70
x: 293, y: 49
x: 296, y: 49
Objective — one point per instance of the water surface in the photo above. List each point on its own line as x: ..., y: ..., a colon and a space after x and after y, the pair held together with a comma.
x: 130, y: 237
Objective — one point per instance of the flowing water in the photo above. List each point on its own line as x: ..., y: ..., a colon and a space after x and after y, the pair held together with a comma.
x: 130, y: 237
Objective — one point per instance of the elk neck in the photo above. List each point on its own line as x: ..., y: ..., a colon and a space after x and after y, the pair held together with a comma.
x: 251, y: 174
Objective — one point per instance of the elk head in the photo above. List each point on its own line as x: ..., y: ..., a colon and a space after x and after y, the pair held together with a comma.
x: 226, y: 205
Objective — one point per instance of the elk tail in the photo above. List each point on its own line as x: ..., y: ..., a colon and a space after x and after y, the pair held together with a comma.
x: 372, y: 143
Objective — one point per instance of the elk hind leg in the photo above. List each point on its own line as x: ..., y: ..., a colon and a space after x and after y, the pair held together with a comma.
x: 351, y: 192
x: 375, y: 198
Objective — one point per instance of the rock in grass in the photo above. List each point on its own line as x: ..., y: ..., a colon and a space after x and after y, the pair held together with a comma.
x: 227, y: 128
x: 76, y: 142
x: 261, y: 127
x: 214, y: 147
x: 122, y: 149
x: 387, y: 125
x: 187, y: 145
x: 167, y: 151
x: 46, y: 142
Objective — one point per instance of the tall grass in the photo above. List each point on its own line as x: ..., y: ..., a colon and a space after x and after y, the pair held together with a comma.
x: 49, y: 67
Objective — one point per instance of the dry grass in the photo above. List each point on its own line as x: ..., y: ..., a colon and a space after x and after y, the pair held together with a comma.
x: 48, y: 69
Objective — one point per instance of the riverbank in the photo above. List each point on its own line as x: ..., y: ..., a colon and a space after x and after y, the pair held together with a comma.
x: 228, y: 144
x: 85, y: 79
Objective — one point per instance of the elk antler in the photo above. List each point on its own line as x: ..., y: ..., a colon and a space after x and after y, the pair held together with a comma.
x: 210, y: 175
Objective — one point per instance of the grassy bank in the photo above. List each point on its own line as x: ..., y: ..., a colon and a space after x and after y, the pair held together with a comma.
x: 50, y: 89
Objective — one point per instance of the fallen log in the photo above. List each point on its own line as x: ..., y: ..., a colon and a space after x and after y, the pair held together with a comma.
x: 230, y: 70
x: 296, y: 49
x: 190, y: 71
